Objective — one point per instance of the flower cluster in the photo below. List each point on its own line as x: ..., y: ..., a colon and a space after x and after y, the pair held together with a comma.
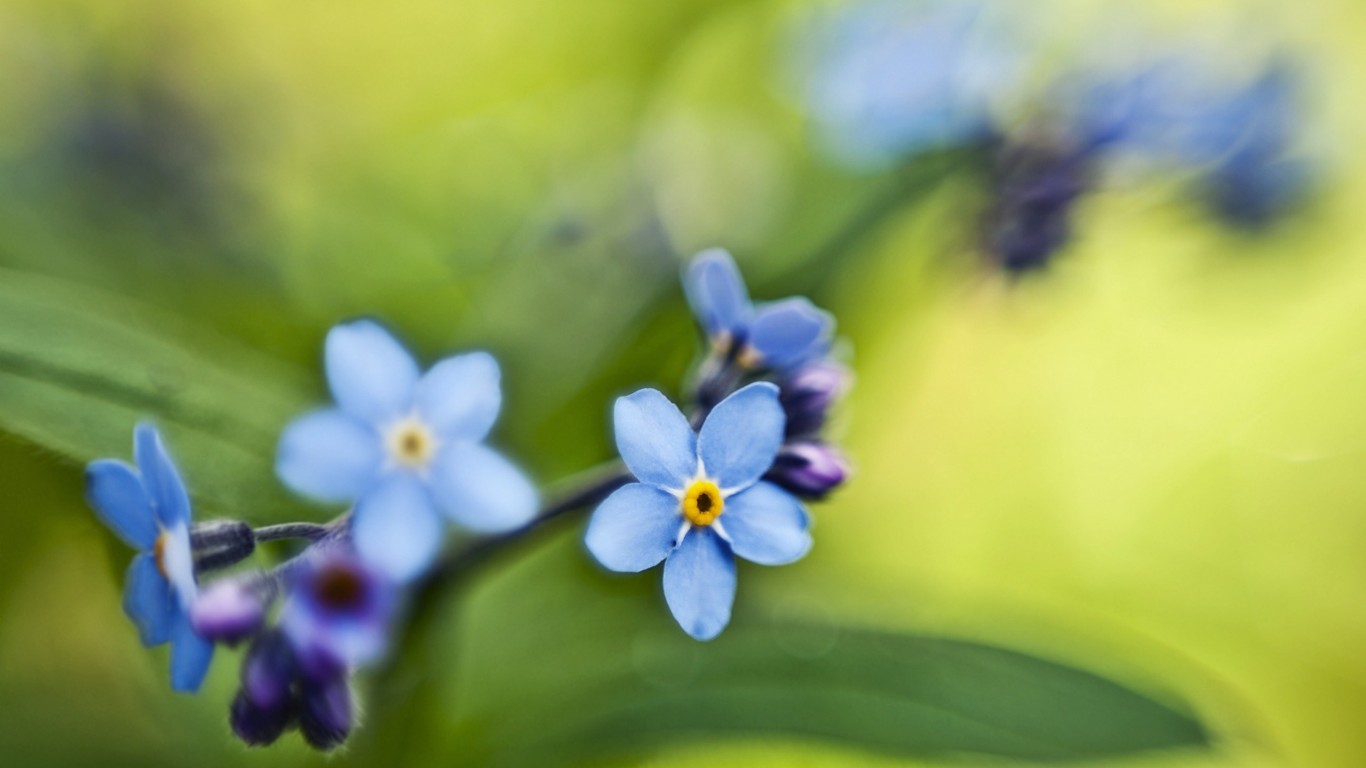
x: 888, y: 82
x: 404, y: 452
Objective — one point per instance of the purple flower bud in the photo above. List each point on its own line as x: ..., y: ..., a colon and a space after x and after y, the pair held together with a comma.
x: 268, y: 671
x: 809, y: 393
x: 257, y: 726
x: 227, y: 611
x: 326, y: 713
x: 808, y: 469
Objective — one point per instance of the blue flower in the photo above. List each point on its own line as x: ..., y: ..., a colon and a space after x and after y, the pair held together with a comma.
x: 405, y: 447
x: 149, y: 508
x: 700, y: 501
x: 781, y: 334
x: 337, y: 613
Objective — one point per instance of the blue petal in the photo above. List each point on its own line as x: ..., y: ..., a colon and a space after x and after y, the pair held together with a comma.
x: 165, y: 491
x: 482, y: 491
x: 634, y: 528
x: 329, y: 455
x: 190, y: 656
x: 741, y: 436
x: 116, y: 494
x: 790, y: 332
x: 371, y: 375
x: 396, y: 529
x: 699, y: 583
x: 766, y: 525
x: 655, y: 440
x: 717, y: 292
x: 460, y: 396
x: 148, y: 601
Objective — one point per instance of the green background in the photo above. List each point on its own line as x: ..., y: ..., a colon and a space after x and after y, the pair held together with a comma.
x: 1146, y: 463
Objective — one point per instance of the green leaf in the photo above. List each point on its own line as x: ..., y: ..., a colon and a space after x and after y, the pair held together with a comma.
x: 78, y: 368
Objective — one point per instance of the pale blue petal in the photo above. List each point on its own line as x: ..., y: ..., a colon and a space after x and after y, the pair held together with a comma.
x: 329, y: 455
x: 655, y: 440
x: 482, y: 491
x: 371, y: 375
x: 699, y: 583
x: 790, y: 332
x: 766, y: 525
x: 717, y: 292
x: 190, y: 656
x: 148, y: 601
x: 741, y: 436
x: 116, y: 494
x: 460, y: 396
x: 634, y: 528
x: 165, y: 491
x: 396, y: 528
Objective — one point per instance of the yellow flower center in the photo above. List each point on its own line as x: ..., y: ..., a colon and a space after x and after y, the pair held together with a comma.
x: 702, y: 504
x: 411, y: 443
x: 159, y: 552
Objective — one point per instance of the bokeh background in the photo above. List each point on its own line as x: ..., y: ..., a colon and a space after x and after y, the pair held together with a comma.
x: 1146, y: 460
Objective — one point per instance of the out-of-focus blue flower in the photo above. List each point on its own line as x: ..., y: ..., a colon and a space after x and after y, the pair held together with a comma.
x: 1035, y: 186
x: 405, y: 447
x: 699, y: 501
x: 780, y: 334
x: 337, y: 613
x: 148, y: 507
x: 886, y: 80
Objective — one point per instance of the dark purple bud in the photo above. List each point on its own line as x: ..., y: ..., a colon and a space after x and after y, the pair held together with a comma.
x: 268, y: 671
x: 325, y: 712
x: 808, y: 395
x: 221, y: 543
x: 1036, y: 185
x: 808, y: 469
x: 228, y: 611
x: 257, y: 726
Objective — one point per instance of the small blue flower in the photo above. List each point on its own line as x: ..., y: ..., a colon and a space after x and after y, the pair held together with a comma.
x: 781, y: 334
x: 337, y: 613
x: 405, y: 447
x: 700, y: 501
x: 149, y: 508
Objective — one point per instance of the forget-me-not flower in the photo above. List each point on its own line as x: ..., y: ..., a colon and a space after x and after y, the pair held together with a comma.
x: 780, y: 334
x: 406, y: 448
x: 337, y: 613
x: 148, y: 507
x: 700, y: 501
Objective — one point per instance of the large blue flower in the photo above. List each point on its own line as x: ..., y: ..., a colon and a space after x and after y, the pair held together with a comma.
x: 405, y: 447
x: 148, y: 507
x: 780, y: 334
x: 700, y: 501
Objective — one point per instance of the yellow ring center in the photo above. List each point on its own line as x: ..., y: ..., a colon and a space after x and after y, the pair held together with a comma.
x: 702, y: 503
x: 411, y: 443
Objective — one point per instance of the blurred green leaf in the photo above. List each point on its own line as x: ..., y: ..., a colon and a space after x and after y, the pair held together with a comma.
x: 903, y: 694
x: 78, y: 368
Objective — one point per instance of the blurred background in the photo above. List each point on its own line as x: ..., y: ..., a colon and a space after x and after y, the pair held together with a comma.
x: 1100, y: 268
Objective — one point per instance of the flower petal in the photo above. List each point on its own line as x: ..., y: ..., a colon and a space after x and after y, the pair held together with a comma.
x: 634, y: 528
x: 170, y: 503
x: 328, y: 455
x: 177, y: 561
x: 460, y: 396
x: 371, y: 375
x: 699, y: 583
x: 396, y: 528
x: 766, y: 525
x: 790, y: 332
x: 717, y: 292
x: 190, y: 656
x: 479, y: 489
x: 147, y: 600
x: 654, y: 439
x: 116, y: 494
x: 741, y: 436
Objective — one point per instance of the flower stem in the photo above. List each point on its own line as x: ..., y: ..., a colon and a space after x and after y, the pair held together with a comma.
x: 309, y: 531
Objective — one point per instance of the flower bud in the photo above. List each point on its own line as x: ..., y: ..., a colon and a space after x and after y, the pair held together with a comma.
x: 227, y: 611
x: 257, y: 726
x: 268, y: 671
x: 221, y: 543
x: 326, y: 713
x: 808, y: 394
x: 808, y: 469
